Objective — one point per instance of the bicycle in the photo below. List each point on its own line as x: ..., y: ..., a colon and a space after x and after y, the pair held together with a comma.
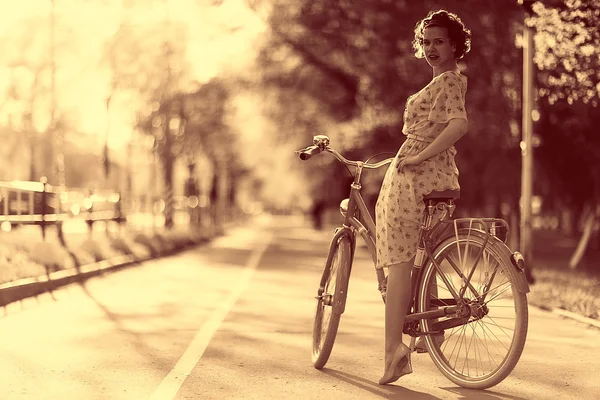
x: 468, y: 289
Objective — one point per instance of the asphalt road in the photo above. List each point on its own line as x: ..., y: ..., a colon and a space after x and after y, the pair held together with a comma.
x: 233, y: 320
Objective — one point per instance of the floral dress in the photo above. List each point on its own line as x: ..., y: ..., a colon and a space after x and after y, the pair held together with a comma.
x: 400, y: 205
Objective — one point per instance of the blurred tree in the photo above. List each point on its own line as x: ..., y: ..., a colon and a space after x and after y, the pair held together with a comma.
x: 204, y: 114
x: 152, y: 63
x: 568, y: 55
x: 568, y: 49
x: 183, y: 116
x: 352, y: 63
x: 30, y: 98
x: 27, y: 95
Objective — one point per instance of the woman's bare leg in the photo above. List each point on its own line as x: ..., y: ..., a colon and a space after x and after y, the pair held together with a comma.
x: 396, y: 304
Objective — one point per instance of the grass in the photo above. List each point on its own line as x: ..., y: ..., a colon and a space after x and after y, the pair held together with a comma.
x: 574, y: 291
x: 558, y: 286
x: 15, y: 263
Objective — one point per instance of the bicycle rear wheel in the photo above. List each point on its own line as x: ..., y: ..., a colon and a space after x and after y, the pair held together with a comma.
x: 332, y: 291
x: 484, y: 342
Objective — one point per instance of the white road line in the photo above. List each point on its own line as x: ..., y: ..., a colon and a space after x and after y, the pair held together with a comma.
x: 168, y: 388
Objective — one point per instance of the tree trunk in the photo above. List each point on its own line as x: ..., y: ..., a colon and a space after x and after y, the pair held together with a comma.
x: 590, y: 222
x: 168, y: 164
x: 222, y: 195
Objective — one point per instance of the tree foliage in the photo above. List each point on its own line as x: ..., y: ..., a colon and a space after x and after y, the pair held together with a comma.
x: 353, y: 63
x: 568, y: 50
x: 204, y: 113
x: 338, y: 64
x: 568, y: 55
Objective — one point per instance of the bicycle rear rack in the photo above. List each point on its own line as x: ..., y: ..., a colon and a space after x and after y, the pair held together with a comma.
x: 495, y: 227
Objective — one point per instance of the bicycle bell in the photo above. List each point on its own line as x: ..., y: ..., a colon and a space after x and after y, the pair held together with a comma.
x: 321, y: 141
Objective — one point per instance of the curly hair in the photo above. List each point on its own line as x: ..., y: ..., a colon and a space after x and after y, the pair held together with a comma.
x: 459, y: 35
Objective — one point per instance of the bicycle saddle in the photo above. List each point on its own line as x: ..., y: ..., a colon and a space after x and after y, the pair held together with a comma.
x: 443, y: 195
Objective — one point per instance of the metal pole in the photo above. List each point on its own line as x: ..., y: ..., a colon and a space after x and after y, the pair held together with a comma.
x: 526, y: 144
x: 106, y: 158
x: 51, y: 138
x: 58, y: 156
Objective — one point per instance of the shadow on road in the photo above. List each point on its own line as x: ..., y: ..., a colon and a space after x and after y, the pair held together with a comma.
x: 386, y: 392
x: 472, y: 394
x: 396, y: 391
x: 136, y: 338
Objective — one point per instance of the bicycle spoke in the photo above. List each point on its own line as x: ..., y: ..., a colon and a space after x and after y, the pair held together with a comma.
x: 467, y: 354
x: 481, y: 342
x: 452, y: 333
x: 475, y: 353
x: 493, y: 334
x: 496, y: 295
x: 478, y: 341
x: 452, y: 290
x: 485, y: 344
x: 503, y: 328
x: 463, y: 278
x: 460, y: 344
x: 498, y: 306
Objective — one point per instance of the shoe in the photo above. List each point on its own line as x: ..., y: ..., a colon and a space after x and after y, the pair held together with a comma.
x: 399, y: 366
x: 420, y: 346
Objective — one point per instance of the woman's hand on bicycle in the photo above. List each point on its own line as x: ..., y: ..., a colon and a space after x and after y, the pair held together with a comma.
x: 405, y: 161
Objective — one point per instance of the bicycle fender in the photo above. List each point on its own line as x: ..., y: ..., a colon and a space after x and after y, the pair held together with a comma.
x: 521, y: 282
x: 340, y: 305
x: 519, y: 266
x: 337, y: 234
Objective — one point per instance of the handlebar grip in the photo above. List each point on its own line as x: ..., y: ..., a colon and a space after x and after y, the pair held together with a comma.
x: 309, y: 152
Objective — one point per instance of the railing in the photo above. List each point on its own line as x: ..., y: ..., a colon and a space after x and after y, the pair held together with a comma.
x: 39, y: 203
x: 23, y: 202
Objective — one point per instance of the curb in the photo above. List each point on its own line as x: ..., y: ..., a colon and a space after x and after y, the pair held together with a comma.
x: 20, y: 289
x: 568, y: 314
x: 31, y: 287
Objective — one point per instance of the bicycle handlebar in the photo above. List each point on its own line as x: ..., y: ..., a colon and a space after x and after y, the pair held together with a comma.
x: 310, y: 151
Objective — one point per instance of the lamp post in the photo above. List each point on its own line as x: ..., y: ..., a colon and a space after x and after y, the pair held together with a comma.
x: 54, y: 130
x: 527, y: 135
x: 105, y: 156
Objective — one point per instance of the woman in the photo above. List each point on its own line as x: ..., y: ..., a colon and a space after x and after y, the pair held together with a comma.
x: 434, y: 119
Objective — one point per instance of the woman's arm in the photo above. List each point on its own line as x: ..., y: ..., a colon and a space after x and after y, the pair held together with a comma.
x: 455, y: 129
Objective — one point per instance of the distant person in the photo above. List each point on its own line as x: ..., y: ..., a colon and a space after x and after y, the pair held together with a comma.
x: 317, y: 210
x: 434, y: 119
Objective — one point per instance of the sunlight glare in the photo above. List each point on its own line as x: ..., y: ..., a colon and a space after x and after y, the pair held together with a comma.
x: 218, y: 39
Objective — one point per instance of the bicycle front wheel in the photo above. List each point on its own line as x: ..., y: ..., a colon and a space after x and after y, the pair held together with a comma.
x: 483, y: 342
x: 332, y: 292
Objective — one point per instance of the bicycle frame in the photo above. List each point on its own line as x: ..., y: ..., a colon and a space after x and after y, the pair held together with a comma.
x: 450, y: 285
x: 358, y: 218
x: 364, y: 224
